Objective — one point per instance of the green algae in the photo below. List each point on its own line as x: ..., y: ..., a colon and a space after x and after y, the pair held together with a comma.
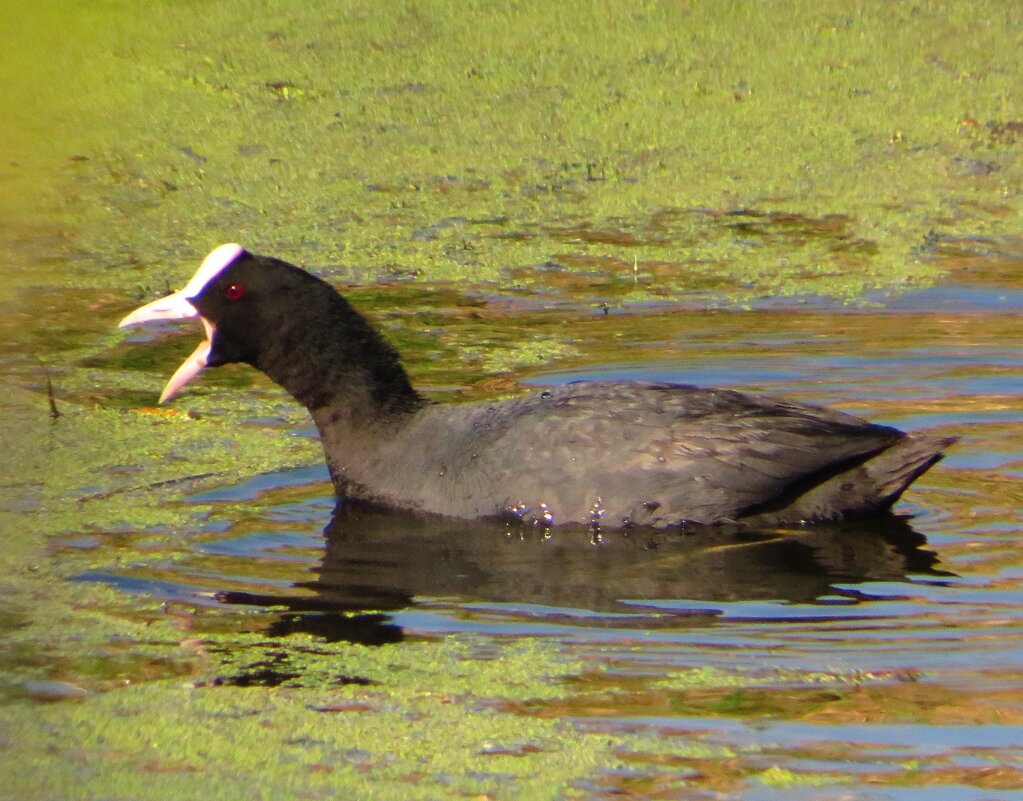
x: 422, y: 719
x: 402, y: 737
x: 119, y: 469
x: 776, y: 776
x: 529, y: 353
x: 705, y: 677
x: 100, y: 472
x: 451, y: 144
x: 300, y: 750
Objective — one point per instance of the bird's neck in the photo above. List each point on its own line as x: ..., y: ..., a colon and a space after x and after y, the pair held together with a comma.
x: 338, y: 367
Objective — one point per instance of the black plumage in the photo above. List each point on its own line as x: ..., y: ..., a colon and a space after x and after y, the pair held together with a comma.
x: 609, y: 454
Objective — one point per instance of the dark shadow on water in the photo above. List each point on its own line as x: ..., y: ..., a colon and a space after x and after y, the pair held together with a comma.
x: 377, y: 563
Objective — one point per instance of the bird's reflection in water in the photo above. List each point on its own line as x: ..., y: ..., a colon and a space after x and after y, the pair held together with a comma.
x: 378, y: 563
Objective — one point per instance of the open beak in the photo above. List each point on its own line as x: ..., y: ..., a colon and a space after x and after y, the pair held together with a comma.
x: 175, y: 307
x: 178, y: 307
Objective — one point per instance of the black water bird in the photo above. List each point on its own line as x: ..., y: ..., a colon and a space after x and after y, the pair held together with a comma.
x: 603, y: 454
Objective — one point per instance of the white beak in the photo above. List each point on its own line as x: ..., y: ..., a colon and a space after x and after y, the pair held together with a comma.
x: 177, y: 307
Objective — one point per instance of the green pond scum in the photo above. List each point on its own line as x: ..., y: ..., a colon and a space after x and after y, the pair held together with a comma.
x: 458, y: 166
x: 446, y: 141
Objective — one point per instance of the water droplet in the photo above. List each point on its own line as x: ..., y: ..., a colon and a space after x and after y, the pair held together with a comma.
x: 518, y: 511
x: 597, y: 513
x: 546, y: 515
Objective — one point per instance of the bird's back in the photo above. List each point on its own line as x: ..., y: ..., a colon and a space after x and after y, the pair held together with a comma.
x: 615, y: 454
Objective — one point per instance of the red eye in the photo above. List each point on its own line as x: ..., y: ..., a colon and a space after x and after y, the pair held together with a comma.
x: 234, y: 292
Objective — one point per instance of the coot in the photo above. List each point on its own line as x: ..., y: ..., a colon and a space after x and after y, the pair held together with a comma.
x: 607, y: 454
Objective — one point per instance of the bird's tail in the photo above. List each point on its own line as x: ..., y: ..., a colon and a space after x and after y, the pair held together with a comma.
x: 894, y: 469
x: 863, y: 486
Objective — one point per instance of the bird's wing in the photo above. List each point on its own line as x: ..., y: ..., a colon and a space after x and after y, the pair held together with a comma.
x: 656, y: 453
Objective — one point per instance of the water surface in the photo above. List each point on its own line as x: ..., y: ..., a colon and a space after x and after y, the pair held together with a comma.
x: 920, y: 613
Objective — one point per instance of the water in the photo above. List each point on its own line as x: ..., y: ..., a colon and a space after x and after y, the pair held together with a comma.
x: 921, y: 615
